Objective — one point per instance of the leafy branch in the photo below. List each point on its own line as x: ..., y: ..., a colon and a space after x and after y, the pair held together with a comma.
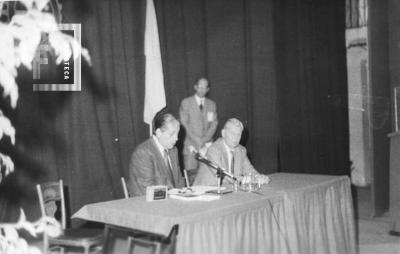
x: 19, y: 42
x: 12, y: 243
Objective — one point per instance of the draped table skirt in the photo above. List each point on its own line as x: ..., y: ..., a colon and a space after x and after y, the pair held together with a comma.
x: 295, y: 213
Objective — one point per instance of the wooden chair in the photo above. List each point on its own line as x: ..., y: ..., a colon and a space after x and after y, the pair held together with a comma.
x: 52, y: 203
x: 134, y: 242
x: 121, y: 240
x: 124, y: 188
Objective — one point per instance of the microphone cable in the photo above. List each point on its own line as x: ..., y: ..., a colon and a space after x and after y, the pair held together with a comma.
x: 285, y: 238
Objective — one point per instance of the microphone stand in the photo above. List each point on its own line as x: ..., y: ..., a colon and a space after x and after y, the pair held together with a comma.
x: 219, y: 180
x: 220, y: 171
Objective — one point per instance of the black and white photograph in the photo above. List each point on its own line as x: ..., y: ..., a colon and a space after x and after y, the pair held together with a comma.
x: 200, y: 127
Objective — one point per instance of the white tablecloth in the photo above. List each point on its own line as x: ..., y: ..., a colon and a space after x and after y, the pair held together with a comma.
x: 296, y: 213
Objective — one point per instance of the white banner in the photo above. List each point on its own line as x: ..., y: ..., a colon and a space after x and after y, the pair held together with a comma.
x: 154, y: 99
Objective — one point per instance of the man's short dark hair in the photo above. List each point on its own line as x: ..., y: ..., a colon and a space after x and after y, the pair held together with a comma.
x: 161, y: 120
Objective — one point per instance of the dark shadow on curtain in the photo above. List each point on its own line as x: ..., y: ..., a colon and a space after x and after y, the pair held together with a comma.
x: 382, y: 55
x: 312, y: 86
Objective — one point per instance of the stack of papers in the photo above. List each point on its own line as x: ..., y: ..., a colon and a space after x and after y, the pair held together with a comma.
x: 194, y: 193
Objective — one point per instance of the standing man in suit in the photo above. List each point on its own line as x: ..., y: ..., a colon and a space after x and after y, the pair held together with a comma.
x: 155, y: 161
x: 198, y: 115
x: 228, y: 154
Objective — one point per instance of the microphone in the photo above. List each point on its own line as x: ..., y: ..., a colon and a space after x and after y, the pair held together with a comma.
x: 209, y: 163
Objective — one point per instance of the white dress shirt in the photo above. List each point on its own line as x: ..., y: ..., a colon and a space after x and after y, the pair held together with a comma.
x: 199, y: 101
x: 229, y: 151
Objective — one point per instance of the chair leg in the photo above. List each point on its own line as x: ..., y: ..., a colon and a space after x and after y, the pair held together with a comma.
x: 130, y: 246
x: 157, y: 249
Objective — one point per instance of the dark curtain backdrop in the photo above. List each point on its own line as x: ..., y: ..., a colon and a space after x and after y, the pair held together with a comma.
x: 312, y: 86
x: 259, y: 64
x: 231, y: 43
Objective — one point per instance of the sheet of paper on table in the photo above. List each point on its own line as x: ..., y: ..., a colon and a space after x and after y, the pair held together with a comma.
x: 194, y: 193
x: 204, y: 197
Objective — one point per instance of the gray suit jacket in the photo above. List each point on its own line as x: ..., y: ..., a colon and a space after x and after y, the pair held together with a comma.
x: 218, y: 154
x: 198, y: 129
x: 147, y: 167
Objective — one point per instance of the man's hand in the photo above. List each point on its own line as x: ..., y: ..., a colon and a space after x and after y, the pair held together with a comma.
x: 262, y: 179
x: 203, y: 150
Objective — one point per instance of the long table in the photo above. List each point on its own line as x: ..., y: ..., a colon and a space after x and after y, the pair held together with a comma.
x: 294, y: 213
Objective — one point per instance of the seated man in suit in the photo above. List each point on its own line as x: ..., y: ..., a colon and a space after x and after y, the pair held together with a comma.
x: 155, y: 161
x: 228, y: 154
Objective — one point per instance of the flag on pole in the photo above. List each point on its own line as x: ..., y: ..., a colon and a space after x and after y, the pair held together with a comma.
x: 154, y: 99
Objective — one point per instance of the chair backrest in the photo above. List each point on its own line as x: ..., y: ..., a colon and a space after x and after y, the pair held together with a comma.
x: 173, y: 233
x: 126, y: 240
x: 124, y: 188
x: 137, y: 245
x: 51, y: 199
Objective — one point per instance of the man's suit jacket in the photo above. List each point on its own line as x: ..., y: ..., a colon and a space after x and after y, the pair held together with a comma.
x: 218, y: 154
x: 147, y: 167
x: 199, y: 129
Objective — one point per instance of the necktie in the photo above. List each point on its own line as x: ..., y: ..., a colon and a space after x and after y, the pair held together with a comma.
x: 167, y: 161
x: 201, y: 105
x: 232, y: 163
